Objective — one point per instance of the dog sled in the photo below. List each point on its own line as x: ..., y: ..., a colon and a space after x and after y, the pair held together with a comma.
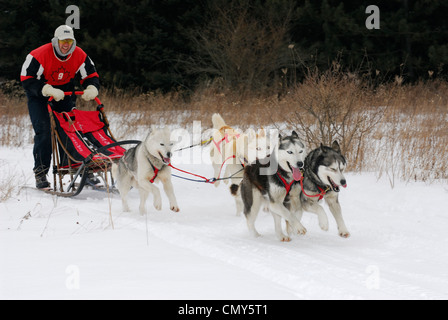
x: 82, y: 145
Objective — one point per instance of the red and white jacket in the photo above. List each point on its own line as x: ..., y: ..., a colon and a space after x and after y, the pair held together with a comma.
x: 43, y: 66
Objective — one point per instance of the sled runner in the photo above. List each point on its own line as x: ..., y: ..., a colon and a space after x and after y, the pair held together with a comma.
x: 82, y: 145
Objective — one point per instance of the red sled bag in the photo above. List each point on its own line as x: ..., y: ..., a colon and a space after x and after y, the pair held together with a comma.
x: 82, y: 133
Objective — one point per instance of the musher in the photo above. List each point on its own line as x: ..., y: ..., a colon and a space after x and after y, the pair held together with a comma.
x: 48, y: 71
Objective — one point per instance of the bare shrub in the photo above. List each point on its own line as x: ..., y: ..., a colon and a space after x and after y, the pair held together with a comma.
x: 334, y: 106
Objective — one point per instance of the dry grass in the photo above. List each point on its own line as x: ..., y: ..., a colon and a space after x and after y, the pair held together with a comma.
x: 7, y: 187
x: 15, y: 127
x: 395, y: 130
x: 413, y: 136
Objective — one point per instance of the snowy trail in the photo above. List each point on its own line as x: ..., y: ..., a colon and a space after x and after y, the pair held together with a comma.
x: 320, y: 264
x: 397, y: 249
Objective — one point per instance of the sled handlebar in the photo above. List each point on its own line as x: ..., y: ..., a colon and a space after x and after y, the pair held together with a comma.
x: 77, y: 93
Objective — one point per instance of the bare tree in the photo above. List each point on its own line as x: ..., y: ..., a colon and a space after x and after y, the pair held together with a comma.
x: 243, y: 46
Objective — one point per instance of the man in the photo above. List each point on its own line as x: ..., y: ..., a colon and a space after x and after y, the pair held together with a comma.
x: 48, y: 71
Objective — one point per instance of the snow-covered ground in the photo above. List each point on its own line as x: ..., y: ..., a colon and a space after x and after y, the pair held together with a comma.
x: 86, y: 248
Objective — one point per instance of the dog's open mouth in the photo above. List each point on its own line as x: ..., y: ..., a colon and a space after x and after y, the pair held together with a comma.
x: 334, y: 186
x: 165, y: 159
x: 296, y: 173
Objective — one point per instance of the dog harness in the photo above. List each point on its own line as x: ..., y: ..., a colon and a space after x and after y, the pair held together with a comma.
x: 156, y: 171
x: 288, y: 187
x: 320, y: 195
x: 285, y: 184
x: 218, y: 144
x: 226, y: 139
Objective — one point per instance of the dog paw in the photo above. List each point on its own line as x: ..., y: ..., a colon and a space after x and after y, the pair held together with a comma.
x: 158, y: 206
x: 323, y: 225
x: 284, y: 238
x: 344, y: 234
x: 301, y: 231
x: 323, y: 221
x: 175, y: 208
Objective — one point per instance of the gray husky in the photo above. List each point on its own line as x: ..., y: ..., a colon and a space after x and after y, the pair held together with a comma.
x: 280, y: 189
x: 322, y: 179
x: 145, y: 164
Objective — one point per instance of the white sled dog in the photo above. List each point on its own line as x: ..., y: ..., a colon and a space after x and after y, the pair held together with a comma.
x: 143, y: 165
x: 280, y: 189
x: 322, y: 179
x: 234, y: 150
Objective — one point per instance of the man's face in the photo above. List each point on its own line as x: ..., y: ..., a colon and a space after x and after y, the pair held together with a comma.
x: 65, y: 45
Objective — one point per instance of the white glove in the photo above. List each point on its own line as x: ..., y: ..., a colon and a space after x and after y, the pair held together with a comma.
x: 49, y: 91
x: 90, y: 93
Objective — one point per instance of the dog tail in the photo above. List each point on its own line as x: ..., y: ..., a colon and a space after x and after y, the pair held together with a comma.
x: 234, y: 189
x: 218, y: 121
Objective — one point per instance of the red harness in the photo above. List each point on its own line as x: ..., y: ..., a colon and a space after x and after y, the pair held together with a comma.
x: 156, y: 171
x: 285, y: 184
x: 320, y: 195
x: 226, y: 139
x: 288, y: 187
x: 217, y: 144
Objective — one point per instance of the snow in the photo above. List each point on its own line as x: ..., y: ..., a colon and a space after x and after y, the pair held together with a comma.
x: 86, y: 248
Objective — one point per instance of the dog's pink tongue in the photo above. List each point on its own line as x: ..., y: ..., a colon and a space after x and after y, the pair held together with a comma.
x: 296, y: 174
x: 167, y: 160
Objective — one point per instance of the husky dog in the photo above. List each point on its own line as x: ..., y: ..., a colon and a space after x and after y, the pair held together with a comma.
x: 235, y: 150
x: 322, y: 178
x: 281, y: 189
x: 232, y: 147
x: 145, y: 164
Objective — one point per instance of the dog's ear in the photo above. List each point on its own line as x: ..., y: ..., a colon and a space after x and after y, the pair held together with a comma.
x: 262, y: 132
x: 150, y: 131
x: 294, y: 135
x: 335, y: 146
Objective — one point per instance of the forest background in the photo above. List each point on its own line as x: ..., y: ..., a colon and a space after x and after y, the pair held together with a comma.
x: 246, y: 44
x: 312, y: 66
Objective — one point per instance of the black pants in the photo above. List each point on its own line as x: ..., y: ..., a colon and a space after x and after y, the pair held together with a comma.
x: 40, y: 119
